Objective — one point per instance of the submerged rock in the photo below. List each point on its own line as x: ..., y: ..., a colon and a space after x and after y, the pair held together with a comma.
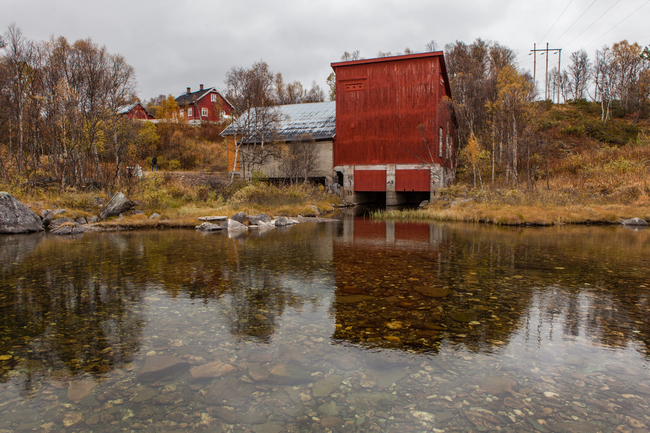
x: 117, y: 205
x: 158, y: 366
x: 79, y: 389
x: 67, y: 229
x: 15, y: 217
x: 211, y: 369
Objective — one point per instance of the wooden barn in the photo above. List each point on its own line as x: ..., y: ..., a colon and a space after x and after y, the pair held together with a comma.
x: 394, y: 128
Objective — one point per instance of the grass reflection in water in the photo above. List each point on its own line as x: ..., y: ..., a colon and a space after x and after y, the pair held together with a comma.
x: 357, y: 326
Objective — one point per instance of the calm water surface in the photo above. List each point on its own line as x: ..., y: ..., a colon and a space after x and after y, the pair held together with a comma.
x: 351, y: 326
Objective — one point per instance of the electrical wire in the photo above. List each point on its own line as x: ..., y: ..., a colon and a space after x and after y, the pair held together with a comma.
x: 558, y: 19
x: 577, y: 19
x: 617, y: 24
x: 610, y: 8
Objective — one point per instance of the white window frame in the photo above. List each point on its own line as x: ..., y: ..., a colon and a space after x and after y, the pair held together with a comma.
x: 440, y: 142
x: 204, y: 112
x: 189, y: 112
x: 213, y: 97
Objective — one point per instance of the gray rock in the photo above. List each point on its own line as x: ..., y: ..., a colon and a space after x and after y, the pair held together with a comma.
x: 138, y: 212
x: 118, y: 204
x: 288, y: 374
x: 233, y: 225
x: 59, y: 221
x: 240, y: 217
x: 208, y: 227
x: 256, y: 219
x: 315, y: 209
x: 424, y: 203
x: 67, y: 229
x: 47, y: 219
x: 213, y: 218
x: 58, y: 211
x: 15, y: 217
x: 93, y: 219
x: 44, y: 212
x: 284, y: 221
x: 81, y: 220
x: 154, y: 215
x: 635, y: 222
x: 324, y: 387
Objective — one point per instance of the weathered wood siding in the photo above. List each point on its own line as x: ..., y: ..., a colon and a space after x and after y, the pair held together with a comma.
x: 388, y: 109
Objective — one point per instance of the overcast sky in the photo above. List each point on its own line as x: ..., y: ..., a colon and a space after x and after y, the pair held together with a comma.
x: 181, y: 43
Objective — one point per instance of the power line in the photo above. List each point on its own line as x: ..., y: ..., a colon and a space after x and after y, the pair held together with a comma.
x: 617, y: 24
x: 558, y: 19
x: 589, y: 7
x: 611, y: 7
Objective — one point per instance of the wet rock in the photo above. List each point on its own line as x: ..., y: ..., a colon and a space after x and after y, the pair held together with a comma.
x: 251, y: 418
x: 513, y: 403
x: 328, y: 409
x: 423, y: 416
x: 208, y: 227
x: 385, y: 378
x: 287, y: 374
x: 432, y: 292
x: 16, y: 218
x: 72, y: 418
x: 159, y: 366
x: 225, y: 414
x: 240, y: 217
x: 60, y: 221
x: 80, y: 389
x: 213, y: 218
x: 284, y: 221
x: 325, y: 387
x: 370, y: 400
x: 332, y: 422
x: 635, y: 222
x: 117, y: 205
x: 144, y: 395
x: 269, y: 427
x: 211, y: 369
x: 234, y: 226
x: 258, y: 374
x: 67, y: 229
x: 256, y: 219
x: 464, y: 317
x: 353, y: 299
x: 497, y: 385
x: 47, y: 218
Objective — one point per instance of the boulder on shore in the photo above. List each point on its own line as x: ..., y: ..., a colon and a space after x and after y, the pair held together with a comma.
x: 235, y: 226
x: 15, y: 217
x: 635, y: 222
x: 284, y: 221
x: 240, y: 217
x: 256, y: 219
x: 117, y: 205
x: 208, y: 227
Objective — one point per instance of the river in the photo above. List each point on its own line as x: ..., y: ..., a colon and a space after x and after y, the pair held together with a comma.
x: 343, y: 326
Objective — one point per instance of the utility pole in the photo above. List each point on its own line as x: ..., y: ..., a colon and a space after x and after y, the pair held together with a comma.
x: 546, y: 50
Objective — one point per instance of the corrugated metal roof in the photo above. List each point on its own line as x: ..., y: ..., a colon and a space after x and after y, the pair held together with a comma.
x: 317, y: 119
x: 124, y: 109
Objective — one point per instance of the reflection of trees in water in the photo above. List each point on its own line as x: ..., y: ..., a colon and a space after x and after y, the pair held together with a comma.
x: 266, y: 275
x: 66, y: 311
x: 493, y: 275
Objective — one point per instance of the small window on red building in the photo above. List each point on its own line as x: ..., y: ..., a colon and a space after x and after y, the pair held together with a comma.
x: 204, y: 112
x: 213, y: 97
x: 189, y: 112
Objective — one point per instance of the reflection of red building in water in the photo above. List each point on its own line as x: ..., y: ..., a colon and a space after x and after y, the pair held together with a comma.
x: 388, y: 287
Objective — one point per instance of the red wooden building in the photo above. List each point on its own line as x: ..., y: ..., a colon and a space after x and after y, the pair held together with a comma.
x: 204, y: 105
x: 394, y: 128
x: 135, y: 111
